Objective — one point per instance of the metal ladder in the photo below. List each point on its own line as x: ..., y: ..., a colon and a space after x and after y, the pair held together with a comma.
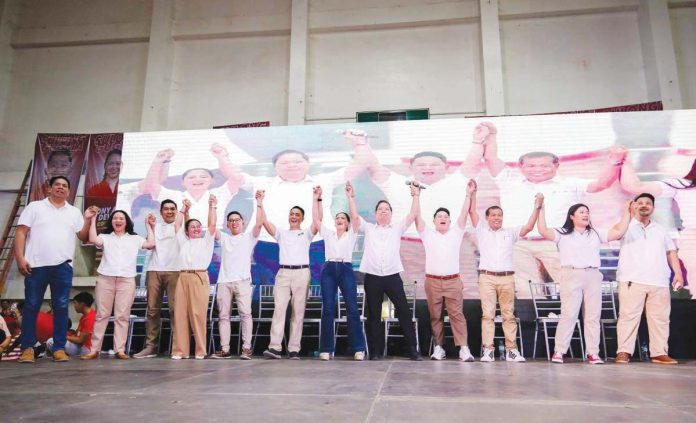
x: 7, y: 253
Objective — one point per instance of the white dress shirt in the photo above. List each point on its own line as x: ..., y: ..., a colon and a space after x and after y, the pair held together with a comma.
x: 165, y: 255
x: 120, y: 254
x: 236, y: 252
x: 195, y: 254
x: 294, y: 246
x: 336, y: 248
x: 442, y: 250
x: 643, y: 255
x: 51, y: 239
x: 382, y: 244
x: 580, y: 250
x: 495, y: 247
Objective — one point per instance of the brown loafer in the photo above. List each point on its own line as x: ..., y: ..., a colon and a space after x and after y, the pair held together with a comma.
x: 622, y: 358
x: 60, y: 355
x: 90, y: 356
x: 122, y: 356
x: 663, y: 359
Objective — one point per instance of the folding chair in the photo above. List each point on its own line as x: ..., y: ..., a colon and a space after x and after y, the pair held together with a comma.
x: 265, y: 313
x: 138, y: 314
x: 390, y: 321
x: 214, y: 317
x: 609, y: 317
x: 312, y: 315
x: 547, y: 303
x: 342, y: 317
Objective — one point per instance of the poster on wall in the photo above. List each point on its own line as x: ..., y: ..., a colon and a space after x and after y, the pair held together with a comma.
x: 599, y: 159
x: 101, y: 179
x: 57, y: 155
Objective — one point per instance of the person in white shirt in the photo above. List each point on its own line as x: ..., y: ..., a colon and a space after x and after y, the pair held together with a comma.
x: 442, y: 280
x: 668, y: 193
x: 337, y: 273
x: 44, y: 246
x: 193, y: 286
x: 293, y: 278
x: 496, y: 280
x: 538, y: 173
x: 381, y: 264
x: 115, y: 289
x: 581, y: 281
x: 162, y: 275
x: 234, y: 281
x: 647, y: 253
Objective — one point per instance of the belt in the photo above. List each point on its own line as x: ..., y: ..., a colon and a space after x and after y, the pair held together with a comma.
x: 442, y: 278
x: 192, y: 271
x: 299, y: 266
x: 579, y: 268
x: 487, y: 272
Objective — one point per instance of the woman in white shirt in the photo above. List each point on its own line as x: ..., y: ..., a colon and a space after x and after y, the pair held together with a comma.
x: 115, y: 289
x: 193, y: 286
x: 337, y: 273
x: 581, y: 281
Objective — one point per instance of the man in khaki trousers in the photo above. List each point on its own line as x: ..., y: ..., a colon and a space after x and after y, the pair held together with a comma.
x: 647, y: 253
x: 293, y: 277
x: 496, y: 275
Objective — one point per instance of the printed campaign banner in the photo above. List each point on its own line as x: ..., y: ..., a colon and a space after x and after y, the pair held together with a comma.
x: 102, y: 173
x: 57, y: 155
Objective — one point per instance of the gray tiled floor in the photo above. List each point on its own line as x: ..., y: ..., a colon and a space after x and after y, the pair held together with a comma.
x: 345, y: 391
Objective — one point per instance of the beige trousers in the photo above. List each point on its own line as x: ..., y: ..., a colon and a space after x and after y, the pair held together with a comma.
x: 657, y: 303
x: 191, y: 310
x: 501, y: 289
x: 157, y: 284
x: 113, y: 293
x: 290, y: 285
x: 524, y: 262
x: 240, y: 291
x: 450, y: 292
x: 580, y: 287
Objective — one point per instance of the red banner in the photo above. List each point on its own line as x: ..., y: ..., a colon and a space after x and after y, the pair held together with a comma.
x: 57, y: 155
x: 103, y: 170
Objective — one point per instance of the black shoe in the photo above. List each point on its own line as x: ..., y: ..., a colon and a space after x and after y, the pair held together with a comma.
x: 375, y: 357
x: 272, y: 354
x: 415, y: 355
x: 294, y: 355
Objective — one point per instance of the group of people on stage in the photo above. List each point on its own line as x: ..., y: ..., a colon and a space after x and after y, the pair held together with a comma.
x: 182, y: 249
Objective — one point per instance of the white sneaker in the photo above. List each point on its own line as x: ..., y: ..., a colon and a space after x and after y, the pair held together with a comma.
x: 176, y: 357
x: 514, y: 355
x: 324, y: 356
x: 438, y: 353
x: 359, y: 356
x: 488, y: 355
x: 465, y: 354
x: 200, y: 357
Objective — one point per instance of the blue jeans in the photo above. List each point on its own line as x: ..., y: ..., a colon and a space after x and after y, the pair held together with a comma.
x: 337, y: 275
x: 59, y: 278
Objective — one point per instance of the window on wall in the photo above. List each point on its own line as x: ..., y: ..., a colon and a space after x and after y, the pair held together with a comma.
x: 391, y: 115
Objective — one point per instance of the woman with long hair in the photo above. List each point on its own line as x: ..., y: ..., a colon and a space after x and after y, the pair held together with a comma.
x: 581, y: 281
x: 115, y: 289
x: 193, y: 286
x: 108, y: 186
x: 337, y: 273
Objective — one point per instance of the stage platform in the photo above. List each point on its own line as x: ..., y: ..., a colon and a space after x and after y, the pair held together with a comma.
x: 162, y: 390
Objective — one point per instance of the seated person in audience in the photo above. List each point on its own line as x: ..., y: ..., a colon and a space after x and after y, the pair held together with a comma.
x: 5, y: 336
x: 80, y: 341
x: 44, y: 326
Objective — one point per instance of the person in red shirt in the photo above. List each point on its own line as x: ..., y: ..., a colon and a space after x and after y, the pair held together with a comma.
x: 44, y: 326
x: 79, y: 343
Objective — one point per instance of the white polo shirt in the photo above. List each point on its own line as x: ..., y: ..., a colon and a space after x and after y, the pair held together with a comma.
x: 294, y: 246
x: 381, y: 251
x: 685, y: 198
x: 199, y: 209
x: 495, y: 247
x: 120, y: 254
x: 442, y: 250
x: 51, y: 240
x: 643, y: 255
x: 195, y: 254
x: 517, y: 197
x: 165, y: 255
x: 580, y: 250
x: 236, y: 252
x: 448, y: 192
x: 336, y: 248
x: 281, y: 195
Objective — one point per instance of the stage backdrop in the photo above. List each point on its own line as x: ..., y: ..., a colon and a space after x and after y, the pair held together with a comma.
x: 379, y: 159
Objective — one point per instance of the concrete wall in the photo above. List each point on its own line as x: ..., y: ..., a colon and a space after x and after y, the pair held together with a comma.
x: 128, y: 65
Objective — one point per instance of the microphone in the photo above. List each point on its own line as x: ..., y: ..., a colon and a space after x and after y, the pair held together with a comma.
x: 416, y: 184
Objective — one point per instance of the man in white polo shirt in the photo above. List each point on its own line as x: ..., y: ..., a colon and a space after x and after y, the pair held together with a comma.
x: 442, y: 280
x: 293, y: 278
x: 162, y: 275
x: 496, y: 280
x: 647, y: 253
x: 45, y: 247
x: 538, y: 174
x: 234, y: 280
